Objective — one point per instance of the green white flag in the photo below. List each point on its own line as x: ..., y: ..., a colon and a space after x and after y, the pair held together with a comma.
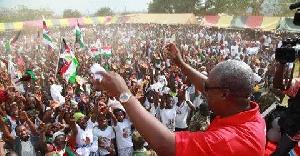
x: 79, y: 37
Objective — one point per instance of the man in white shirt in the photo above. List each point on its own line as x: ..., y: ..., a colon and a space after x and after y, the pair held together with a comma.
x: 122, y: 128
x: 183, y: 108
x: 84, y: 137
x: 104, y: 137
x: 234, y: 49
x: 168, y: 112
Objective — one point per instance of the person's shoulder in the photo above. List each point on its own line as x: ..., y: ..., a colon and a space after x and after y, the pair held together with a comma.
x: 109, y: 128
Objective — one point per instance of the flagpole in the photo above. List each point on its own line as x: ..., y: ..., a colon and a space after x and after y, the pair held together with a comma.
x: 57, y: 59
x: 75, y: 38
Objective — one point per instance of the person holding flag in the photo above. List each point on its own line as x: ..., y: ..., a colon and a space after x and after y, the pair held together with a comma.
x: 68, y: 63
x: 78, y: 34
x: 46, y: 38
x: 11, y: 42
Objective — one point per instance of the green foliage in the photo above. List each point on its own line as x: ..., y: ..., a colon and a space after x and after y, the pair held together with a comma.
x: 22, y: 13
x: 277, y: 7
x: 105, y: 11
x: 172, y: 6
x: 229, y: 7
x: 69, y: 13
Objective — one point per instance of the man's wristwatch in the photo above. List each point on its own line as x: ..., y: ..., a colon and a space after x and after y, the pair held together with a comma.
x: 124, y: 97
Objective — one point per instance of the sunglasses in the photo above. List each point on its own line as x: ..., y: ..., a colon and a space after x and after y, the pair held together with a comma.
x: 207, y: 88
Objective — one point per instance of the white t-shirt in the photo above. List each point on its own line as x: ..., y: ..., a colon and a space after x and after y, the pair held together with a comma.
x: 234, y: 50
x: 182, y: 112
x: 153, y: 110
x: 82, y: 135
x: 123, y: 134
x: 13, y: 125
x: 253, y: 50
x: 198, y: 101
x: 167, y: 117
x: 106, y: 136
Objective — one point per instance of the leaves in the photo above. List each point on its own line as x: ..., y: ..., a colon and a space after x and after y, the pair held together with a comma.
x: 69, y: 13
x: 23, y: 13
x: 105, y: 11
x: 229, y: 7
x: 172, y: 6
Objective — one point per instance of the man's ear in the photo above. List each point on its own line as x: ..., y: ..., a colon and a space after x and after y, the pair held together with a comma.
x: 226, y: 94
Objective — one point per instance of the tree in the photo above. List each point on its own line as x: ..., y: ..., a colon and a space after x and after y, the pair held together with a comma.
x: 105, y: 11
x: 172, y: 6
x: 69, y: 13
x: 277, y: 7
x: 22, y: 13
x: 230, y: 7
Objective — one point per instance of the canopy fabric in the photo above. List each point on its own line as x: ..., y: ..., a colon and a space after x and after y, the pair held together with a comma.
x: 133, y: 18
x: 165, y: 18
x: 223, y: 21
x: 269, y: 23
x: 288, y: 25
x: 241, y: 22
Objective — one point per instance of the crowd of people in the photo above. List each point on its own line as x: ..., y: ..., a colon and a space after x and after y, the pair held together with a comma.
x: 81, y: 120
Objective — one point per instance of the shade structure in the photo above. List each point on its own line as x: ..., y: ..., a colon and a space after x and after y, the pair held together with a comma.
x: 223, y: 21
x: 287, y: 24
x: 133, y: 18
x: 241, y: 22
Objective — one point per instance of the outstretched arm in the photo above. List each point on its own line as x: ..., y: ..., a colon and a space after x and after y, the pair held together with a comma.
x: 160, y: 138
x: 29, y: 123
x: 192, y: 73
x: 5, y: 130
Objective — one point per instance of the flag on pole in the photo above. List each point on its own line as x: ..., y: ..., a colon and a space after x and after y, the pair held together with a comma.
x: 106, y: 50
x: 46, y: 38
x: 15, y: 75
x: 31, y: 74
x: 95, y: 52
x: 79, y: 37
x: 12, y: 41
x: 61, y: 59
x: 70, y: 64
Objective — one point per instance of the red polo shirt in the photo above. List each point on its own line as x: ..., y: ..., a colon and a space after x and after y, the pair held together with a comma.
x: 240, y: 134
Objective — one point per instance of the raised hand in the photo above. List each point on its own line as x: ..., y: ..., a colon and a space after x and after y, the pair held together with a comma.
x: 24, y: 115
x: 175, y: 54
x: 42, y: 127
x: 111, y: 82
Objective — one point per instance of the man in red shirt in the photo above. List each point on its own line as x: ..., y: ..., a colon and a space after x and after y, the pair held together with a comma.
x: 238, y: 128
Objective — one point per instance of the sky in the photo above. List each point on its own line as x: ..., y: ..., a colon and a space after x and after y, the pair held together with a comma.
x: 84, y: 6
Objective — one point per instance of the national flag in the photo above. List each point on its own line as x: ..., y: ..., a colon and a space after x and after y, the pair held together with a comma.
x: 14, y: 75
x: 31, y: 74
x: 12, y: 41
x: 68, y: 69
x: 7, y: 46
x: 61, y: 58
x: 95, y: 52
x: 106, y: 50
x: 79, y: 37
x: 46, y: 38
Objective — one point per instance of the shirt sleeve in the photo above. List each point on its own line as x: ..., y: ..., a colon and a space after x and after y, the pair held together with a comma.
x: 200, y: 143
x: 94, y: 147
x: 112, y: 134
x: 90, y: 124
